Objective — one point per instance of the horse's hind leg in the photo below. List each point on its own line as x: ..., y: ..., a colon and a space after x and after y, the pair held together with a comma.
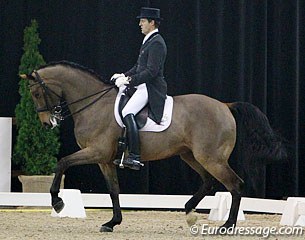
x: 233, y: 183
x: 205, y: 189
x: 110, y: 175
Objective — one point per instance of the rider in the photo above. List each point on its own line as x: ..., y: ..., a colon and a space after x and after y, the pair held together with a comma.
x: 147, y: 77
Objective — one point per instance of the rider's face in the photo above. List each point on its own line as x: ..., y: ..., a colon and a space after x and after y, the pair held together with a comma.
x: 146, y: 26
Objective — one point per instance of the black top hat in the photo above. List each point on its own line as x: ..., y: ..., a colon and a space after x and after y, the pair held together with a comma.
x: 152, y: 13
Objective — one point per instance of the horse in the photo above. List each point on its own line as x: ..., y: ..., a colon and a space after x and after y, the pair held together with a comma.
x: 203, y: 133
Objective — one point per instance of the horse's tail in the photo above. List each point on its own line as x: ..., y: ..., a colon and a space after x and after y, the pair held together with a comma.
x: 255, y: 135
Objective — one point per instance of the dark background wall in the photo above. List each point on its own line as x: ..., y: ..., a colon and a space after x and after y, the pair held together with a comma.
x: 232, y: 50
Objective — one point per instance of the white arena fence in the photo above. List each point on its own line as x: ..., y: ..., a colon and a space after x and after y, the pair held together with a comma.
x: 292, y: 209
x: 145, y: 201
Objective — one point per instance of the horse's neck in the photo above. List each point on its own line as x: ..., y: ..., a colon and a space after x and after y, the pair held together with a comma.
x: 92, y: 115
x: 77, y: 85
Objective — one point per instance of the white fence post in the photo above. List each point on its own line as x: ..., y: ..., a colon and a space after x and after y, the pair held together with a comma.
x: 5, y: 153
x: 294, y: 212
x: 74, y: 206
x: 221, y: 213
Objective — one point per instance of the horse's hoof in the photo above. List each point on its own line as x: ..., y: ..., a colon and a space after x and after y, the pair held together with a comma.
x: 227, y: 225
x: 59, y: 206
x: 106, y: 229
x: 191, y: 218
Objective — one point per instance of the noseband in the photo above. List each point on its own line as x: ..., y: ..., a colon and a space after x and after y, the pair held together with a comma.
x: 56, y: 111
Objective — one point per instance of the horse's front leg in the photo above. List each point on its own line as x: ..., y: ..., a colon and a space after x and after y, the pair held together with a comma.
x: 85, y: 156
x: 110, y: 175
x: 57, y: 202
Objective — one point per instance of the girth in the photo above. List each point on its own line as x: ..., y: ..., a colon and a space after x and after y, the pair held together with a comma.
x: 141, y: 117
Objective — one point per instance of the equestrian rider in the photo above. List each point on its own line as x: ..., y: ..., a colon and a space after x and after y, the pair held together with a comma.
x: 146, y: 76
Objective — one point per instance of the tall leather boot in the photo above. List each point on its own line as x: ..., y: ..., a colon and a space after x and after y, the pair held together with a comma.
x: 133, y: 159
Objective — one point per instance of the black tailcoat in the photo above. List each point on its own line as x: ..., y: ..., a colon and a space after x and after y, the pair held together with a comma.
x: 149, y: 69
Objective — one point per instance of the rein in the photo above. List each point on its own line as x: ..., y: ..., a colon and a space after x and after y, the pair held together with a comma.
x: 104, y: 91
x: 56, y: 110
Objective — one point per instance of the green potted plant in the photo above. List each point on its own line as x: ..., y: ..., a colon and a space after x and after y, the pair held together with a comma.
x: 36, y: 147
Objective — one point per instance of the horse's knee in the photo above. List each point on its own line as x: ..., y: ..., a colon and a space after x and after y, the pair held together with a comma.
x: 61, y: 166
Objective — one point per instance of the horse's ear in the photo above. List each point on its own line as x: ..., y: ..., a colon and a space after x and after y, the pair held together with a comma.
x: 26, y: 76
x: 23, y: 76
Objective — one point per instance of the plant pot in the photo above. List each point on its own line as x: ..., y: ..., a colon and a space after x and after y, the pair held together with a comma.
x: 38, y: 183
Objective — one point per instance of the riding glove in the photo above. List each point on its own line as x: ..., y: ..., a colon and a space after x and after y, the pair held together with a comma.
x: 116, y: 76
x: 120, y: 81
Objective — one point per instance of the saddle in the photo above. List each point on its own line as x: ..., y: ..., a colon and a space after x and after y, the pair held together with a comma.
x: 141, y: 117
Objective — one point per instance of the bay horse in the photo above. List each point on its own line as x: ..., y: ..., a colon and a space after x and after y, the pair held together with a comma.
x: 203, y: 132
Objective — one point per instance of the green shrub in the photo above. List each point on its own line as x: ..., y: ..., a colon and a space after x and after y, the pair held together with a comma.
x: 36, y: 147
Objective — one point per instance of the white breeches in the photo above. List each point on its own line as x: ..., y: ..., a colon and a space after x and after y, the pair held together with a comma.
x: 138, y: 100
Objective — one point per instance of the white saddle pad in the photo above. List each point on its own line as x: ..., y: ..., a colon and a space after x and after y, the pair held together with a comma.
x: 150, y: 125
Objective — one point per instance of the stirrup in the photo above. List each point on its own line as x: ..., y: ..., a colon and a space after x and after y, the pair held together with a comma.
x: 135, y: 166
x: 129, y: 163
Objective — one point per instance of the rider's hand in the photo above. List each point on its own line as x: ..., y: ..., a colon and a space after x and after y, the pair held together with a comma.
x: 116, y: 76
x: 120, y: 81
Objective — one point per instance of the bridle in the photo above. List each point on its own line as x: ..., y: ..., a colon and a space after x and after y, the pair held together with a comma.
x: 57, y: 113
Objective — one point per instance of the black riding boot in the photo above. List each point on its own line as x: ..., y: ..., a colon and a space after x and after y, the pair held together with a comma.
x: 133, y: 159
